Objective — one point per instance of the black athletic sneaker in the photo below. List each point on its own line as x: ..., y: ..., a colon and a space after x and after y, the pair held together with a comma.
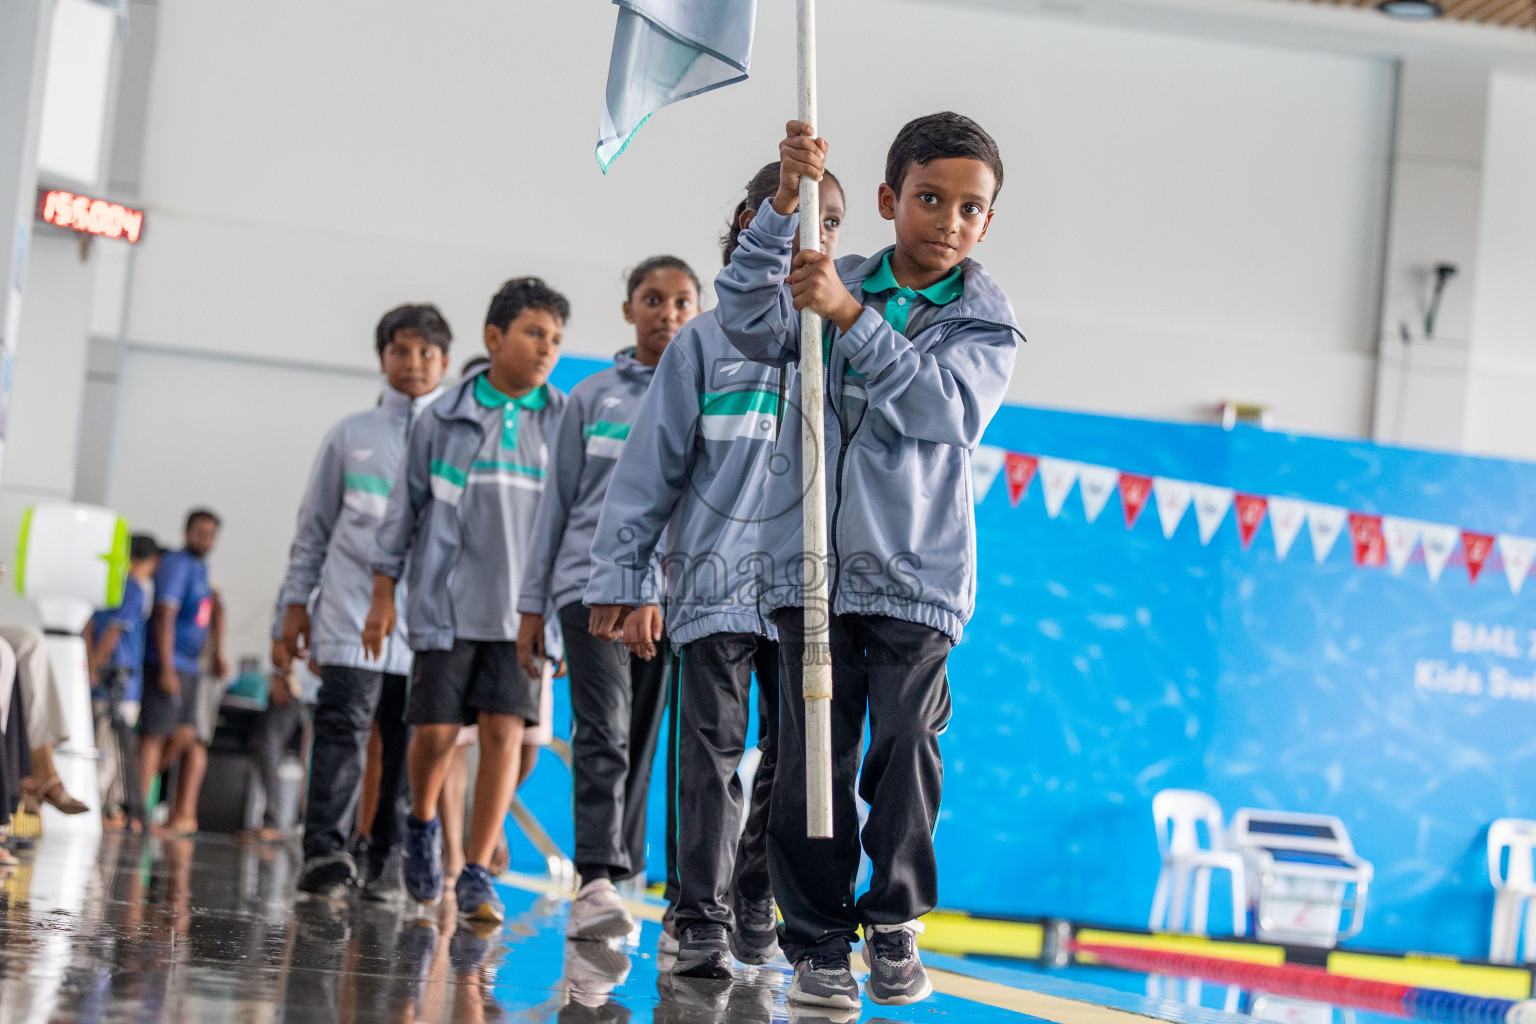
x: 703, y: 953
x: 755, y: 939
x: 327, y: 874
x: 386, y: 882
x: 823, y: 979
x: 896, y: 975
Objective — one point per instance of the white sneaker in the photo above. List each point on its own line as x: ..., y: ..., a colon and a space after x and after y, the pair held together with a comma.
x: 667, y: 943
x: 598, y: 913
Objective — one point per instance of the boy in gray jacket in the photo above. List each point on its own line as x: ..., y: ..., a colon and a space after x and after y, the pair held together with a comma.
x: 920, y: 345
x: 329, y: 570
x: 461, y: 511
x: 695, y: 467
x: 616, y: 699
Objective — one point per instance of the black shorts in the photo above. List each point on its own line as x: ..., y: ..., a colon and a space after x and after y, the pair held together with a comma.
x: 453, y: 687
x: 160, y: 714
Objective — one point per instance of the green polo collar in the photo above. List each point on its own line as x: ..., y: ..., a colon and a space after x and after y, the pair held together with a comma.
x: 941, y: 293
x: 487, y: 395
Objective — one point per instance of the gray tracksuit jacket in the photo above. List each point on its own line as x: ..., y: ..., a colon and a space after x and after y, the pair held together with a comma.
x: 901, y: 520
x: 592, y: 433
x: 696, y: 467
x: 422, y: 523
x: 329, y: 567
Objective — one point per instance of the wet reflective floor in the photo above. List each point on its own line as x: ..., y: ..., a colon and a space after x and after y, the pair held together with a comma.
x: 207, y: 930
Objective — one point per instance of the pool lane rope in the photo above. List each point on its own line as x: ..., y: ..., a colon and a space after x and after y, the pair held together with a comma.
x: 1317, y: 983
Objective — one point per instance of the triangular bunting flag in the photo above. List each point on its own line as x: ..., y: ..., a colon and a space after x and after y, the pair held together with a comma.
x: 1134, y: 492
x: 1365, y: 534
x: 1250, y: 515
x: 1056, y: 479
x: 1173, y: 498
x: 1439, y: 541
x: 1401, y: 536
x: 1020, y: 471
x: 1096, y: 484
x: 1286, y: 516
x: 986, y: 461
x: 1476, y: 547
x: 1211, y: 504
x: 1518, y: 554
x: 1325, y: 523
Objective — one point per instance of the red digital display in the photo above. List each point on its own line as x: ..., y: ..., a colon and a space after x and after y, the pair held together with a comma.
x: 91, y: 216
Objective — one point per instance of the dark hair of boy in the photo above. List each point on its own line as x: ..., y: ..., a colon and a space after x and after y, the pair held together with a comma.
x: 199, y: 514
x: 937, y: 137
x: 522, y: 293
x: 638, y: 275
x: 424, y: 319
x: 142, y: 546
x: 471, y: 365
x: 762, y: 186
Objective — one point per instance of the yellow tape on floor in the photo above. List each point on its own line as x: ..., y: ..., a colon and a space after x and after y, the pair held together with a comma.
x: 1443, y: 973
x: 947, y: 931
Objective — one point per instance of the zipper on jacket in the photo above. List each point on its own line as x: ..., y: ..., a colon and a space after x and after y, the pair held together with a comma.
x: 837, y: 503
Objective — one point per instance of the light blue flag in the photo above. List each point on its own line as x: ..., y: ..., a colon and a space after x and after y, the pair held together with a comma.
x: 668, y: 50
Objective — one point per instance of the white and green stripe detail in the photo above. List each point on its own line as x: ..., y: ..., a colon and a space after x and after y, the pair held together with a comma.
x: 365, y: 493
x: 506, y: 474
x: 605, y: 440
x: 447, y: 481
x: 733, y: 415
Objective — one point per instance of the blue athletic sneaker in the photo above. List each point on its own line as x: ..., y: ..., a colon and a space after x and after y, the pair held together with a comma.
x: 423, y: 860
x: 477, y: 896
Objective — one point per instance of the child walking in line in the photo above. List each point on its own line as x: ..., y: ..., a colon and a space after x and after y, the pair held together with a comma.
x: 115, y: 650
x: 461, y: 514
x: 324, y: 602
x: 920, y: 345
x: 617, y: 699
x: 695, y: 467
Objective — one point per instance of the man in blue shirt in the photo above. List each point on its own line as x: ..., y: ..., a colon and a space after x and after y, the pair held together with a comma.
x: 115, y: 649
x: 178, y: 629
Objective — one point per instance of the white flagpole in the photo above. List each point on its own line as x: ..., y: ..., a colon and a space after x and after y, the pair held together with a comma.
x: 817, y: 663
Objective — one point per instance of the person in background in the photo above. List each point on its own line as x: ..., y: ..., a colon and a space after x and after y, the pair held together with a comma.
x: 15, y: 756
x: 291, y: 694
x: 461, y: 514
x: 114, y: 641
x: 178, y: 631
x: 325, y: 597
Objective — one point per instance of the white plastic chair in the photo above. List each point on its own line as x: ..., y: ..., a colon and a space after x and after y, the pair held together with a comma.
x: 1515, y: 887
x: 1178, y: 814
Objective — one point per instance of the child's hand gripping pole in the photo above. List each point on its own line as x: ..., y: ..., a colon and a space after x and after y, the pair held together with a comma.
x: 816, y: 675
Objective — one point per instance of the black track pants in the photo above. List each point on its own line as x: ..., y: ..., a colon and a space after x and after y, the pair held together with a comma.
x: 617, y: 703
x: 893, y: 671
x: 712, y: 705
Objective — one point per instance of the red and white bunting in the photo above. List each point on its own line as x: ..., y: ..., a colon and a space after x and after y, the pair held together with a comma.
x: 1250, y: 516
x: 1018, y: 470
x: 1518, y: 553
x: 1211, y: 504
x: 1375, y: 540
x: 1476, y: 547
x: 1096, y: 484
x: 1056, y: 479
x: 1325, y: 523
x: 1134, y: 492
x: 1401, y: 536
x: 1438, y: 541
x: 1173, y: 498
x: 1286, y: 518
x: 1365, y: 536
x: 986, y: 462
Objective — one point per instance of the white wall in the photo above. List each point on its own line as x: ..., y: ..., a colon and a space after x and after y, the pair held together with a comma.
x: 1184, y: 220
x: 1501, y: 419
x: 49, y: 378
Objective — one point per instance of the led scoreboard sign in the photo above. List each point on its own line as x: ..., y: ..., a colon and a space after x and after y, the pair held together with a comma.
x: 90, y: 216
